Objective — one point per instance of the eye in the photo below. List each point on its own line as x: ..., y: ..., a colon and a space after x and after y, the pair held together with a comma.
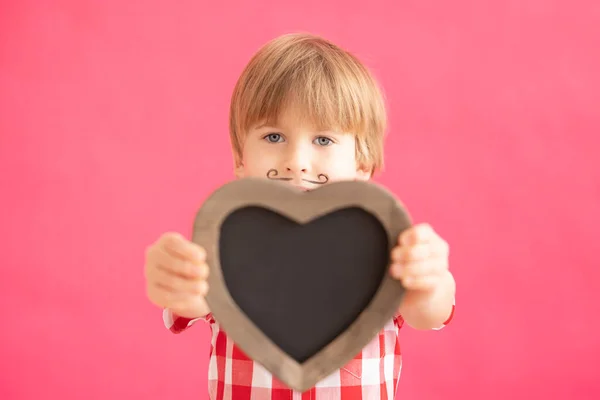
x: 273, y: 138
x: 323, y: 141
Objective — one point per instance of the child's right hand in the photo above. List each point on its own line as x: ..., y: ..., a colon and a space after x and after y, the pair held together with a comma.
x: 176, y: 273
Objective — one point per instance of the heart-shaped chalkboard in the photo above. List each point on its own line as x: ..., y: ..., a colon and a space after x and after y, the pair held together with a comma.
x: 299, y: 280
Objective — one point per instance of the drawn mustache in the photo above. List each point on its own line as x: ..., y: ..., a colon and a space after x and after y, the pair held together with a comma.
x: 273, y: 174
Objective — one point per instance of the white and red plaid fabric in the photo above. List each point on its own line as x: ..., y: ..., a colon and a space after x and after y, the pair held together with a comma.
x: 371, y: 375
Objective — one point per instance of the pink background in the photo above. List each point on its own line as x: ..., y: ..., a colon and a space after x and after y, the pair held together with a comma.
x: 113, y: 129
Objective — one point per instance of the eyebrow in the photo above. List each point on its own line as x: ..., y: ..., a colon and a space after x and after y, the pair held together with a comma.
x: 279, y: 129
x: 261, y: 126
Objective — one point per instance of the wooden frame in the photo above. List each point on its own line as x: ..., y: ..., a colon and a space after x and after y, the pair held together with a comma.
x: 293, y: 203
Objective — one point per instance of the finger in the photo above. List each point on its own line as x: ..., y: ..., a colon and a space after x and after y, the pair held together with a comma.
x: 177, y: 245
x: 421, y: 268
x: 418, y: 252
x: 397, y: 270
x: 417, y: 233
x: 405, y: 254
x: 424, y: 282
x: 184, y: 306
x: 163, y: 297
x: 177, y: 284
x: 168, y: 262
x: 417, y: 268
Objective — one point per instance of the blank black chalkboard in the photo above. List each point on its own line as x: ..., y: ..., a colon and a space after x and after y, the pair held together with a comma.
x: 302, y: 285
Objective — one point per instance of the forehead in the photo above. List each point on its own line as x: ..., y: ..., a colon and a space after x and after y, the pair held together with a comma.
x: 297, y: 118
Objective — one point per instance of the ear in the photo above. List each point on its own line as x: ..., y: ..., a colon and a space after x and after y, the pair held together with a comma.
x: 239, y: 170
x: 363, y: 173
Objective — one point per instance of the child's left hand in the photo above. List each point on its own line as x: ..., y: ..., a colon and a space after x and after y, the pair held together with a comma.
x: 420, y: 260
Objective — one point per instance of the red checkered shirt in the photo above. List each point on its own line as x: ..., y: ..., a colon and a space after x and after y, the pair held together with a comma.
x: 371, y: 375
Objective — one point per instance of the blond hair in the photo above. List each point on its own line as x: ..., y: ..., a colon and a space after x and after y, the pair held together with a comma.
x: 331, y: 87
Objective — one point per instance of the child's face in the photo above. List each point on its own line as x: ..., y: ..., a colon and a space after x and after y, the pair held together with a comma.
x: 296, y: 153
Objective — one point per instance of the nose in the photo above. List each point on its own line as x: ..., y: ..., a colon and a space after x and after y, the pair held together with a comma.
x: 298, y: 159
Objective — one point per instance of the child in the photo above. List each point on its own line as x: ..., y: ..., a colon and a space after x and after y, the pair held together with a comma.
x: 308, y: 111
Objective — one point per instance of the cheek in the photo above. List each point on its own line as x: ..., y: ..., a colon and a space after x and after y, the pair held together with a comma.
x: 346, y: 173
x: 256, y: 163
x: 340, y: 166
